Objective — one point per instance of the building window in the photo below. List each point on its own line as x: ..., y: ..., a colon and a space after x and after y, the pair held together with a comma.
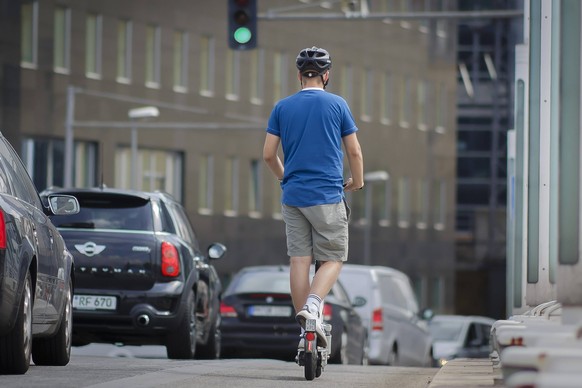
x: 231, y: 186
x: 346, y: 83
x: 232, y: 76
x: 367, y: 88
x: 436, y: 293
x: 153, y: 49
x: 93, y: 46
x: 441, y: 107
x: 386, y: 99
x: 205, y: 184
x: 422, y: 204
x: 207, y: 66
x: 156, y: 170
x: 403, y: 202
x: 386, y: 204
x: 419, y: 286
x: 29, y: 34
x: 440, y: 204
x: 255, y: 189
x: 405, y: 102
x: 279, y: 76
x: 44, y: 160
x: 62, y: 40
x: 257, y: 71
x: 180, y: 61
x: 124, y: 37
x: 422, y: 106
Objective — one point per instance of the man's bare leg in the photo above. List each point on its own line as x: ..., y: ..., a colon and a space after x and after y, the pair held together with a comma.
x: 299, y: 279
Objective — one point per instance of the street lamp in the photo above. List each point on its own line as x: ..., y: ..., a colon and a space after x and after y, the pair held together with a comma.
x: 370, y: 178
x: 145, y: 112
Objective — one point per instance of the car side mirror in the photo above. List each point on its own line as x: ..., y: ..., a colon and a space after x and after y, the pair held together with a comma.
x: 63, y: 205
x: 359, y: 301
x: 426, y: 314
x: 216, y: 250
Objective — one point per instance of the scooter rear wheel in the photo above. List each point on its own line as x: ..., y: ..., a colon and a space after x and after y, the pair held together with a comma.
x: 310, y: 365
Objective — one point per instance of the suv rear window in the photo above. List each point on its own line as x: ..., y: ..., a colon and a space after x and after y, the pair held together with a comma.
x: 120, y: 212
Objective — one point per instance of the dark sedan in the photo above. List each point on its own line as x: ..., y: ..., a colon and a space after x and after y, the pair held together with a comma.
x: 36, y: 272
x: 258, y: 318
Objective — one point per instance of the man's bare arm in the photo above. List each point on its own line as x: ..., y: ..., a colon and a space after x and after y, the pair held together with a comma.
x: 356, y: 162
x: 271, y: 157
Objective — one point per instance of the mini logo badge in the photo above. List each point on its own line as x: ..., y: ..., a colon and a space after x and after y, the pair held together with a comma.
x: 90, y: 248
x: 269, y: 299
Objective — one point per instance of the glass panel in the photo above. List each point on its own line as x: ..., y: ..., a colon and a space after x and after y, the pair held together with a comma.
x: 61, y: 39
x: 569, y: 164
x: 533, y: 181
x: 123, y: 49
x: 28, y: 32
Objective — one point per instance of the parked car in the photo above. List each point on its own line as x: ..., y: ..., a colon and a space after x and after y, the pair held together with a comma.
x: 141, y: 277
x: 386, y: 302
x: 36, y: 277
x: 258, y: 318
x: 457, y: 336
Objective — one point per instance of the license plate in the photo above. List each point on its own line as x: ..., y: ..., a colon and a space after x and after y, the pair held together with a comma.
x: 269, y: 311
x: 94, y: 302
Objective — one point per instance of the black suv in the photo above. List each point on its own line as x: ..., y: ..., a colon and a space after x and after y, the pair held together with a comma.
x: 36, y: 272
x: 141, y: 278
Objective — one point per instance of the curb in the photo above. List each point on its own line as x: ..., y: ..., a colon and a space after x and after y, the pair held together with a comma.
x: 467, y: 372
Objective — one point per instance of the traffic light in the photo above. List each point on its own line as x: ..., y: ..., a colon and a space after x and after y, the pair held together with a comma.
x: 242, y: 24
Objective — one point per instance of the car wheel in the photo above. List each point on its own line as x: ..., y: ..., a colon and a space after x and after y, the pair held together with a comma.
x: 341, y: 355
x: 16, y: 346
x: 56, y: 350
x: 365, y: 352
x: 181, y: 344
x: 211, y: 350
x: 393, y: 356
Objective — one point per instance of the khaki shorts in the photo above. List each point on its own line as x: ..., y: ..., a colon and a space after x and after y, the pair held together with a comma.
x: 319, y: 231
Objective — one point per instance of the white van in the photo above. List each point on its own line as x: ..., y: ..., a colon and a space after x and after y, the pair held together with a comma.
x: 383, y: 297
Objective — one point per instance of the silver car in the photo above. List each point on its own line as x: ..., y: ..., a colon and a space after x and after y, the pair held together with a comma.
x: 386, y: 302
x: 460, y: 336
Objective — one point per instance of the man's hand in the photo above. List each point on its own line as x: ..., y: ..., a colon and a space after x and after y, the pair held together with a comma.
x: 350, y: 186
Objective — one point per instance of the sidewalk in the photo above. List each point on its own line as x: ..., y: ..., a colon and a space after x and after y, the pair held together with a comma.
x: 469, y: 373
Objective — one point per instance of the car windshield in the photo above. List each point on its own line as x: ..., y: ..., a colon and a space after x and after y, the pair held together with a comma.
x: 260, y: 281
x: 441, y: 330
x: 357, y: 284
x: 109, y: 212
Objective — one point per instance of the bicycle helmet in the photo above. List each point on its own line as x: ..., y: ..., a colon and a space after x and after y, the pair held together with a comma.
x: 313, y: 59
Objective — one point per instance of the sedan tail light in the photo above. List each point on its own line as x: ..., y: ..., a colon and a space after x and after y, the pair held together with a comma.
x: 2, y: 231
x: 377, y: 323
x: 227, y: 311
x: 170, y: 260
x: 327, y: 312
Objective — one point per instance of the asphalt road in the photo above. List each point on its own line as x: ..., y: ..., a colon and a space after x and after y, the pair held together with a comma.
x: 153, y: 371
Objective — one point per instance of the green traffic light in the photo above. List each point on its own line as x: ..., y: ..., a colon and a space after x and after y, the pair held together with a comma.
x: 242, y: 35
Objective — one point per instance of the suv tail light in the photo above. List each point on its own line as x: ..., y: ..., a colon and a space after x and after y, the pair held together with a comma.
x: 170, y: 260
x: 227, y: 311
x: 2, y: 230
x: 377, y: 324
x: 327, y: 312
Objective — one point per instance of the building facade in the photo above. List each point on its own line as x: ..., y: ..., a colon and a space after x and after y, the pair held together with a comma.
x: 76, y: 68
x: 486, y: 58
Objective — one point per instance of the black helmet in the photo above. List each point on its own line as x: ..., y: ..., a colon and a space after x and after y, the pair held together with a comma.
x: 313, y: 58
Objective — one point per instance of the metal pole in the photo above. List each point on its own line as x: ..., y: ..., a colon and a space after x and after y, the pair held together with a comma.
x: 68, y: 181
x: 133, y: 156
x: 368, y: 229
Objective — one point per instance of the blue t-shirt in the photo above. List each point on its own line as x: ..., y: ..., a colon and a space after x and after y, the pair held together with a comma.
x: 311, y: 124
